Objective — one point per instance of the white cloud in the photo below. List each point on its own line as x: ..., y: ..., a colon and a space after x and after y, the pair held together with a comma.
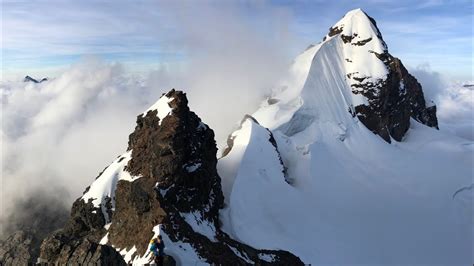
x: 61, y: 133
x: 454, y: 101
x: 65, y: 131
x: 232, y: 61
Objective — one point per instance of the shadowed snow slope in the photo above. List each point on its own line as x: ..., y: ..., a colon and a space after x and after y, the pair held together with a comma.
x: 354, y: 198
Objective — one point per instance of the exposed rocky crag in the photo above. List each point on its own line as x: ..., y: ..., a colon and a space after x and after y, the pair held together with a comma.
x: 30, y: 79
x: 33, y: 219
x: 20, y: 248
x: 173, y: 186
x: 393, y: 99
x: 398, y: 98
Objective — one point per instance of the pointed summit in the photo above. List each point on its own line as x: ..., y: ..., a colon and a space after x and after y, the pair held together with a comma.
x: 349, y: 77
x: 166, y: 184
x: 358, y: 28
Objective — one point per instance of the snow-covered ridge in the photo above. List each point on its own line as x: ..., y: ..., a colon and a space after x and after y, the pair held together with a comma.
x: 354, y: 199
x: 103, y: 188
x: 331, y: 68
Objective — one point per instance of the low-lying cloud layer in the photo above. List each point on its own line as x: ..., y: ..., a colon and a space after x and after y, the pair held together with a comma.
x: 454, y: 101
x: 57, y: 134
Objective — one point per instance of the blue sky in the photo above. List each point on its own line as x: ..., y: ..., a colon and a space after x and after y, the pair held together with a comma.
x: 43, y: 37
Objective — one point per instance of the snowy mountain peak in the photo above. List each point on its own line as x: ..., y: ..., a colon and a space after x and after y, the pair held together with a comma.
x: 357, y: 28
x: 332, y: 118
x: 347, y: 78
x: 361, y: 42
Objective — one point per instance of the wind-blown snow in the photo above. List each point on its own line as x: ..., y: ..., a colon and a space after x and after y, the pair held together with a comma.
x: 354, y: 199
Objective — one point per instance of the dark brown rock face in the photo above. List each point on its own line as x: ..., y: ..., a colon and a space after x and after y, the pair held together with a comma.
x: 19, y: 249
x: 77, y: 242
x: 175, y: 160
x: 33, y: 219
x: 161, y: 155
x: 391, y: 101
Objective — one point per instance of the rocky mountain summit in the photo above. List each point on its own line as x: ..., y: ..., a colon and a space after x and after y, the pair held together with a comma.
x: 166, y: 183
x: 391, y: 98
x: 34, y: 218
x: 30, y: 79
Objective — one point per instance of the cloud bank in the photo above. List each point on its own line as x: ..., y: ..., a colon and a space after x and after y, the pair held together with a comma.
x: 57, y: 135
x: 454, y: 101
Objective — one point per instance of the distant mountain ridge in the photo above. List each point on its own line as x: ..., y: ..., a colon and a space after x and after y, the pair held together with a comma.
x: 30, y: 79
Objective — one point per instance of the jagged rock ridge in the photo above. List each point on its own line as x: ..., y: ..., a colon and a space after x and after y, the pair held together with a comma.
x: 30, y: 79
x: 166, y: 181
x: 33, y: 219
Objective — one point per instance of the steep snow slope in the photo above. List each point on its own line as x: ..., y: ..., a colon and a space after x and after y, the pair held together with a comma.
x: 353, y: 198
x: 355, y: 201
x: 328, y: 65
x: 350, y: 73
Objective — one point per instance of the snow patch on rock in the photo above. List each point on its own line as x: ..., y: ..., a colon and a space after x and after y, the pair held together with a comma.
x: 182, y: 253
x: 104, y: 186
x: 162, y: 107
x: 200, y: 224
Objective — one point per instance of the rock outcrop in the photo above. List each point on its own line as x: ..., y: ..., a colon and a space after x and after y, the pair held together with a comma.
x: 20, y: 248
x: 24, y: 229
x: 167, y: 184
x: 30, y: 79
x: 391, y: 99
